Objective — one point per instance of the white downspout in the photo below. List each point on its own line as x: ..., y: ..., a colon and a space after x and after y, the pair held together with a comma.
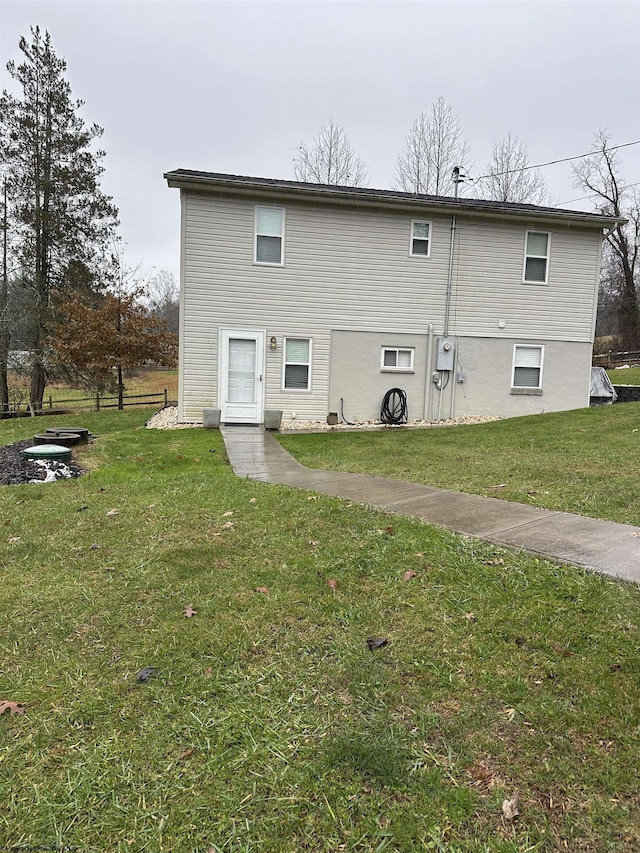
x: 428, y: 383
x: 453, y: 384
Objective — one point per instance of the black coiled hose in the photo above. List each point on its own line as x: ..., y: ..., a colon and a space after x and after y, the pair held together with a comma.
x: 394, y: 407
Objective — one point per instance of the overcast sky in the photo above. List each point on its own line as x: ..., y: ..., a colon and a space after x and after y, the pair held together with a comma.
x: 236, y: 86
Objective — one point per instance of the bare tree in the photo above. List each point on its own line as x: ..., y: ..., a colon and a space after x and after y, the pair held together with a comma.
x: 330, y: 160
x: 164, y: 299
x: 432, y: 149
x: 599, y: 174
x: 509, y: 177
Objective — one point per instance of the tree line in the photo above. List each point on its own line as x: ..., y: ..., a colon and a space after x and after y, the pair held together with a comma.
x: 72, y: 305
x: 68, y: 301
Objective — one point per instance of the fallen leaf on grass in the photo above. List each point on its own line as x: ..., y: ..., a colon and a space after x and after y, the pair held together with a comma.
x: 409, y: 574
x: 376, y: 642
x: 13, y: 539
x: 13, y: 707
x: 263, y: 589
x: 560, y: 650
x: 208, y: 671
x: 187, y: 753
x: 253, y: 500
x: 470, y: 617
x: 114, y: 512
x: 332, y: 583
x: 510, y: 808
x: 189, y: 611
x: 509, y: 713
x: 498, y: 486
x: 227, y: 514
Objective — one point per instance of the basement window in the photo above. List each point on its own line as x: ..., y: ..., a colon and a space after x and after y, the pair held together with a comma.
x: 397, y: 360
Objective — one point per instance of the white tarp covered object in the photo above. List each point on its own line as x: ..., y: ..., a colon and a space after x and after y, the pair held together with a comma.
x: 602, y: 391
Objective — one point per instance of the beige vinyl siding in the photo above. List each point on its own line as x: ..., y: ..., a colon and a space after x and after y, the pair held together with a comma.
x: 488, y: 287
x: 350, y: 269
x: 342, y: 269
x: 308, y: 405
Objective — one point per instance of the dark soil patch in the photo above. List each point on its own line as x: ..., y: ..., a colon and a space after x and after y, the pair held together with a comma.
x: 14, y: 469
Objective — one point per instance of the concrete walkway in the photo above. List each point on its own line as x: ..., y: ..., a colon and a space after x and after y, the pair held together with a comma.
x: 604, y: 546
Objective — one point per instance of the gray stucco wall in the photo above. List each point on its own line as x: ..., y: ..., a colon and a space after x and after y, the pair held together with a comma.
x: 356, y: 377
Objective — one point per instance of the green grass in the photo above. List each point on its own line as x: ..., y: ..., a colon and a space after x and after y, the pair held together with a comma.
x: 269, y: 725
x: 628, y: 376
x: 585, y: 461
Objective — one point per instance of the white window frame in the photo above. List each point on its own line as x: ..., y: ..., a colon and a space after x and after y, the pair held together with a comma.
x: 526, y: 389
x: 307, y: 364
x: 527, y: 255
x: 385, y: 368
x: 413, y: 254
x: 256, y: 235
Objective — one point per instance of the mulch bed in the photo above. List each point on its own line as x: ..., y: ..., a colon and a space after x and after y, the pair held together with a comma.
x: 14, y: 469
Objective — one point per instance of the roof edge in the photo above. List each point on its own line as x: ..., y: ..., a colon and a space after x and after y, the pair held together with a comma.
x: 240, y: 185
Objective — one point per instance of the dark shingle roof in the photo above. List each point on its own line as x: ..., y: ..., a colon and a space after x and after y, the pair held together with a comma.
x: 244, y: 185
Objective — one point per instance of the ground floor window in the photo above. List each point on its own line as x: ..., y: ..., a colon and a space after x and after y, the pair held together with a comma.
x: 297, y: 364
x: 394, y: 358
x: 527, y: 366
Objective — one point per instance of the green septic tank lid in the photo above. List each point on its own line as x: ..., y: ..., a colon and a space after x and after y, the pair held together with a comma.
x: 48, y: 451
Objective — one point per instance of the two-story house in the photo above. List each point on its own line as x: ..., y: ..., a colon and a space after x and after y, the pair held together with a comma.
x: 312, y: 299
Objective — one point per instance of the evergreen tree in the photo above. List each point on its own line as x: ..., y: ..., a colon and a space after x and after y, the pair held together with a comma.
x: 58, y: 216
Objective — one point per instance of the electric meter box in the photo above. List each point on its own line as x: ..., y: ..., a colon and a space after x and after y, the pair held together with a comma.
x: 445, y: 354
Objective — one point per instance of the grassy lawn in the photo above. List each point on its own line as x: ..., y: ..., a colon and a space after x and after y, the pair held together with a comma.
x: 269, y: 725
x: 628, y: 376
x: 143, y: 382
x: 586, y: 461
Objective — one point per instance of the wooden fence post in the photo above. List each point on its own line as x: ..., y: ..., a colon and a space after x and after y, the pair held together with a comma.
x: 166, y: 398
x: 97, y: 401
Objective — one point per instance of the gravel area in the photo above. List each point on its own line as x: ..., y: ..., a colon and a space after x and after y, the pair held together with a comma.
x: 167, y: 419
x: 14, y: 469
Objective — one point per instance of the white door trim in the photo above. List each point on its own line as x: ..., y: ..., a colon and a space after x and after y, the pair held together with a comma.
x: 232, y: 412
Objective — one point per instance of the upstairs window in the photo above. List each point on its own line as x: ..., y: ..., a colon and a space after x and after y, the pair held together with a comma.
x: 527, y: 367
x: 297, y: 364
x: 536, y: 261
x: 420, y: 238
x: 397, y: 359
x: 269, y: 235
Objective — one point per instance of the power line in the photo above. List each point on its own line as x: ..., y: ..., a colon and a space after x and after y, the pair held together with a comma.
x: 595, y: 195
x: 561, y: 160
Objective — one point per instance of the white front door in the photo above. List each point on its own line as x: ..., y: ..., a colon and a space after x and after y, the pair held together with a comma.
x: 241, y: 376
